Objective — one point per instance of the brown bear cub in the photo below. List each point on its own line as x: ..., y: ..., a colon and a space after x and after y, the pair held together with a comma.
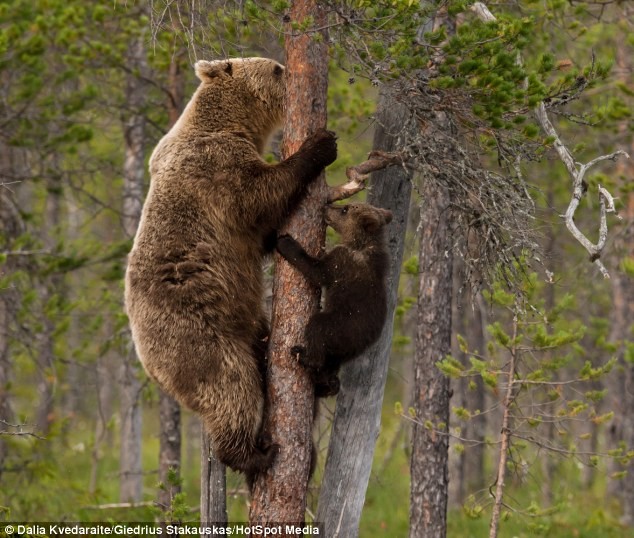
x: 194, y: 289
x: 355, y: 302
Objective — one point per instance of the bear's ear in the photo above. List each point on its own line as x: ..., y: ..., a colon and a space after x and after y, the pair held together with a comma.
x: 387, y: 215
x: 370, y: 222
x: 207, y: 71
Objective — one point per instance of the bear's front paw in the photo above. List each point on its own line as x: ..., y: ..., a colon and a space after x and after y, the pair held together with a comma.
x: 321, y: 147
x: 286, y: 246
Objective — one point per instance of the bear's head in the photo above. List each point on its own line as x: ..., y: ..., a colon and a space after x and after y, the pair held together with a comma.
x: 357, y: 223
x: 243, y: 95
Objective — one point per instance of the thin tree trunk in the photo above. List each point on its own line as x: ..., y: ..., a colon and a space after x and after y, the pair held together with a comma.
x: 169, y: 451
x: 621, y: 383
x: 358, y: 413
x: 430, y: 442
x: 12, y: 227
x: 280, y: 494
x: 621, y: 386
x: 170, y: 411
x: 48, y: 287
x: 213, y: 485
x: 475, y: 399
x: 130, y: 486
x: 104, y: 381
x: 505, y: 438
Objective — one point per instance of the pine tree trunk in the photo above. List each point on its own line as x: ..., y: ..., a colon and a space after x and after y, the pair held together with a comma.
x: 429, y: 473
x: 358, y: 413
x: 130, y: 485
x: 280, y: 494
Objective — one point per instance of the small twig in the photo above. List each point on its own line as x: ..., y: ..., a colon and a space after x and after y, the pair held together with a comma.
x: 118, y: 505
x: 505, y: 437
x: 358, y: 175
x: 19, y: 432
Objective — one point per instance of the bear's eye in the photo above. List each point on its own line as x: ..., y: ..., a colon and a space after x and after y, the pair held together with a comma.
x: 344, y: 209
x: 278, y: 70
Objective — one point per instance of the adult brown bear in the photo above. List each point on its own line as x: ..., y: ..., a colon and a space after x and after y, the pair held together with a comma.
x: 194, y: 277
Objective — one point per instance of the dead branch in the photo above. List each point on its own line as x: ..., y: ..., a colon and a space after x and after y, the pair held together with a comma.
x: 111, y: 506
x: 19, y: 431
x: 579, y: 186
x: 579, y: 190
x: 358, y: 175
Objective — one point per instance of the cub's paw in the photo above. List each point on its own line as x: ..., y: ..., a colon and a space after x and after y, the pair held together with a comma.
x: 321, y: 147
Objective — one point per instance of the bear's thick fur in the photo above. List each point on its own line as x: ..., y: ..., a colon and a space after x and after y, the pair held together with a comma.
x: 355, y: 303
x: 194, y: 277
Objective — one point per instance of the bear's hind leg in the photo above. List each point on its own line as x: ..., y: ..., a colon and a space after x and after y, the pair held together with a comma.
x: 233, y: 411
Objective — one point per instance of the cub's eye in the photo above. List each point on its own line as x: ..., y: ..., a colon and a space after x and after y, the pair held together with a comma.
x: 344, y: 209
x: 278, y: 70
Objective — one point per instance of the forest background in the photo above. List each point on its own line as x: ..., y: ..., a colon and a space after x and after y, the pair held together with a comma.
x: 88, y: 89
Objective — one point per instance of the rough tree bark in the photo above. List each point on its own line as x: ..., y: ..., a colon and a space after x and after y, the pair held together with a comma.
x: 130, y: 483
x: 429, y: 487
x: 428, y: 469
x: 280, y: 494
x: 358, y: 413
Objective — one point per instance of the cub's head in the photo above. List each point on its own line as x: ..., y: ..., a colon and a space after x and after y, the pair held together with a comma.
x: 242, y: 94
x: 357, y: 223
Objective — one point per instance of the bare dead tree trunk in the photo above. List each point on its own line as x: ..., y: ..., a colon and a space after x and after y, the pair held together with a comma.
x: 358, y: 413
x: 130, y: 485
x: 280, y: 494
x: 213, y: 485
x: 428, y: 468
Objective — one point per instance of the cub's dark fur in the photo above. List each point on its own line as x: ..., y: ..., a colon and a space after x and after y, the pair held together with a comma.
x: 194, y: 278
x: 353, y: 275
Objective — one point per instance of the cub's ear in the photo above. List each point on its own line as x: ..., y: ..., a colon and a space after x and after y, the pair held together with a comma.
x: 208, y: 71
x: 370, y: 222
